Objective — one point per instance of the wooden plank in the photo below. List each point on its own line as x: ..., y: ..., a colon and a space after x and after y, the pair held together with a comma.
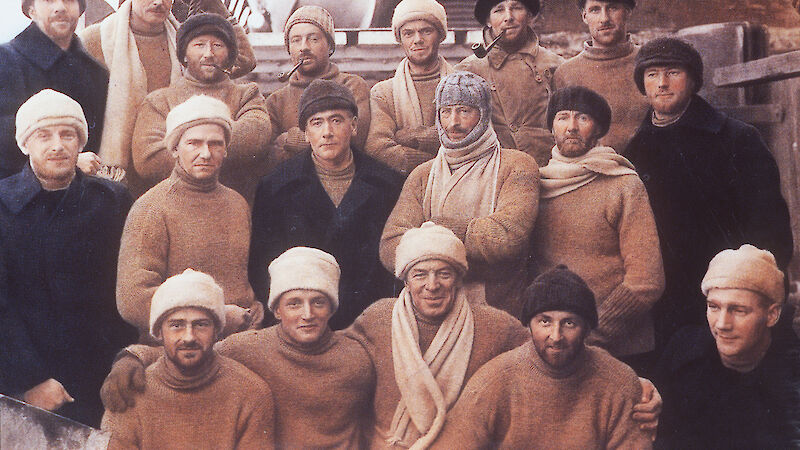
x: 771, y: 68
x: 756, y: 114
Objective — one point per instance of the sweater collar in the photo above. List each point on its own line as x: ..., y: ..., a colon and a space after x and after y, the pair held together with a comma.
x: 179, y: 174
x: 324, y: 343
x: 498, y: 56
x: 562, y: 372
x: 188, y: 81
x: 699, y: 115
x: 168, y: 373
x: 24, y: 187
x: 40, y: 50
x: 620, y: 50
x: 300, y: 81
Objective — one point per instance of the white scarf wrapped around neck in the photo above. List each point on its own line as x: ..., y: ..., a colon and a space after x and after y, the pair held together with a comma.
x: 429, y: 384
x: 564, y: 174
x: 407, y: 109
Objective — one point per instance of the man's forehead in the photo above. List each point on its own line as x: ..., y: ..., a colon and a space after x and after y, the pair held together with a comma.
x: 458, y: 106
x: 432, y: 265
x: 305, y: 29
x: 208, y: 37
x: 734, y: 297
x: 559, y: 315
x: 665, y: 67
x: 331, y: 113
x: 189, y: 313
x: 509, y: 3
x: 418, y: 24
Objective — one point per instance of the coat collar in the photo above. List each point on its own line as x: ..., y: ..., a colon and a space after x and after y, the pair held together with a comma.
x: 40, y: 50
x: 700, y: 115
x: 17, y: 191
x: 301, y: 169
x: 498, y: 56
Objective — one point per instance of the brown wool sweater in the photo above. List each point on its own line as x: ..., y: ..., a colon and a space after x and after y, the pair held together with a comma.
x: 232, y: 409
x: 247, y: 157
x: 282, y: 105
x: 384, y: 141
x: 605, y: 232
x: 321, y: 393
x: 495, y: 332
x: 609, y: 72
x: 517, y: 401
x: 497, y: 245
x: 521, y: 84
x: 176, y: 225
x: 335, y: 182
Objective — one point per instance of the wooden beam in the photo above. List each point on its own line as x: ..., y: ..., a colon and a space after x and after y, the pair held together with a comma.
x: 756, y: 114
x: 771, y: 68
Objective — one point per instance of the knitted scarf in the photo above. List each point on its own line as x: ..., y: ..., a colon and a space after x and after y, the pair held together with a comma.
x: 463, y: 181
x: 429, y: 384
x: 564, y: 174
x: 127, y: 82
x: 407, y: 109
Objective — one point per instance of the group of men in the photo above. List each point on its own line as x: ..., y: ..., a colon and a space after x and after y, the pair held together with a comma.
x: 398, y: 237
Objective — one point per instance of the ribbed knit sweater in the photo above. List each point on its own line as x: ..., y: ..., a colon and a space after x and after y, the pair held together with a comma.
x: 321, y: 392
x: 181, y: 224
x: 609, y: 72
x: 335, y: 182
x: 605, y: 232
x: 495, y: 332
x: 517, y: 401
x: 226, y: 407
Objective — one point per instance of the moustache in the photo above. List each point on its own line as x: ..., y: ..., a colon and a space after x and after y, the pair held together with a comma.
x: 457, y: 130
x: 189, y: 346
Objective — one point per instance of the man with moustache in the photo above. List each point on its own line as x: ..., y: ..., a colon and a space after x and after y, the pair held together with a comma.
x: 204, y: 43
x: 47, y: 54
x: 309, y: 37
x: 402, y: 132
x: 520, y: 73
x: 605, y: 66
x: 554, y: 391
x: 711, y: 180
x: 194, y: 397
x: 137, y: 45
x: 59, y: 241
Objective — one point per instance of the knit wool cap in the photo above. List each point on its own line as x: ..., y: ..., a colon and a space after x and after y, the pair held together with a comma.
x: 190, y: 289
x: 314, y: 15
x: 668, y: 51
x: 324, y: 95
x: 483, y: 7
x: 585, y: 100
x: 204, y: 24
x: 629, y: 3
x: 429, y: 241
x: 428, y: 10
x: 747, y: 268
x: 197, y: 110
x: 304, y: 268
x: 464, y: 88
x: 559, y: 289
x: 47, y: 108
x: 26, y: 5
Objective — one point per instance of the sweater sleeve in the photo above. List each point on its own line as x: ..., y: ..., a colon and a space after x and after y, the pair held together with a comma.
x: 643, y: 281
x: 142, y: 263
x: 360, y: 90
x: 251, y: 125
x: 245, y: 58
x: 407, y: 213
x: 623, y: 431
x: 257, y: 429
x: 149, y: 154
x: 123, y: 429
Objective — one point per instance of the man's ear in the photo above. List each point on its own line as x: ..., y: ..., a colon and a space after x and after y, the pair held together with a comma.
x: 773, y: 314
x: 355, y: 126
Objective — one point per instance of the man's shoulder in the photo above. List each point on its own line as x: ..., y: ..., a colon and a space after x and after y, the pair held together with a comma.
x: 382, y: 90
x: 494, y: 318
x: 608, y: 368
x: 236, y: 375
x: 351, y: 80
x: 503, y: 369
x: 285, y: 174
x: 512, y: 160
x: 473, y: 64
x: 377, y: 173
x: 549, y: 58
x: 111, y: 190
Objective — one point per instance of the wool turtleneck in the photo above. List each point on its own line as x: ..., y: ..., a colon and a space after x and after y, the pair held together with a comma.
x: 193, y: 183
x: 619, y: 50
x: 172, y: 376
x: 336, y: 182
x: 315, y: 348
x: 153, y: 52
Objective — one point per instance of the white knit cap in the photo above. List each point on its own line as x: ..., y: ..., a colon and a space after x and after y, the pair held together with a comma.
x: 427, y: 10
x: 747, y: 268
x: 304, y: 268
x: 197, y: 110
x: 46, y: 108
x: 188, y: 289
x: 430, y: 241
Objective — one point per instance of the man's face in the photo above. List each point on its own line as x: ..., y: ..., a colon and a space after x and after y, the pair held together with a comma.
x: 607, y: 21
x: 56, y: 18
x: 669, y: 88
x: 458, y: 120
x: 153, y: 13
x: 558, y: 336
x: 304, y: 315
x: 740, y: 321
x: 329, y: 133
x: 189, y: 335
x: 203, y: 53
x: 308, y: 42
x: 53, y: 151
x: 575, y: 132
x: 433, y: 284
x: 420, y: 42
x: 512, y: 16
x: 201, y: 150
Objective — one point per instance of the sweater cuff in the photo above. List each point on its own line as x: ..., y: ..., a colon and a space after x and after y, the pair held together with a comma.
x: 456, y: 224
x: 620, y: 306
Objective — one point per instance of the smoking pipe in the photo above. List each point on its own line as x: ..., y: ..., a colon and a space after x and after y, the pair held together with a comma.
x: 481, y: 51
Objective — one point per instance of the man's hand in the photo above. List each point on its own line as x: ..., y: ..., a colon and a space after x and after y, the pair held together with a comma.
x: 647, y: 411
x: 49, y: 395
x: 122, y: 383
x: 407, y: 137
x: 89, y: 163
x: 236, y: 319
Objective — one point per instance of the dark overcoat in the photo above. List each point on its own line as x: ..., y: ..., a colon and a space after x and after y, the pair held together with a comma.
x: 31, y: 62
x: 58, y: 265
x: 713, y: 185
x: 292, y: 209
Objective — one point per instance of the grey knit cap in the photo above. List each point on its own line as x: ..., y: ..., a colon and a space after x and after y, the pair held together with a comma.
x: 559, y: 289
x: 464, y: 88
